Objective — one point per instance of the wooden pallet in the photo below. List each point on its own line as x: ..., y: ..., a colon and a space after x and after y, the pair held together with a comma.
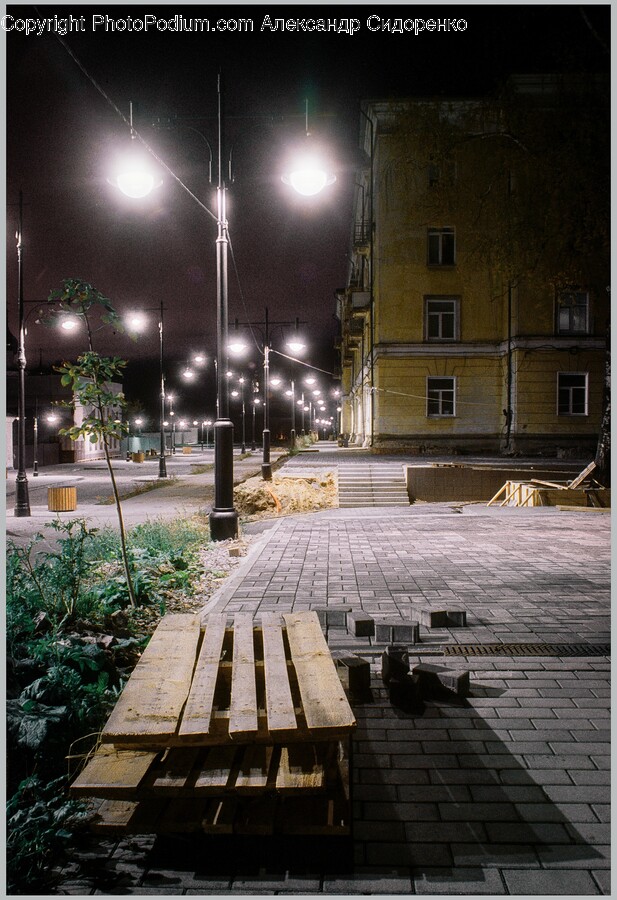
x: 240, y: 727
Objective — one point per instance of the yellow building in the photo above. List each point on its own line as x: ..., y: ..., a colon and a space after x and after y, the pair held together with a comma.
x: 475, y: 314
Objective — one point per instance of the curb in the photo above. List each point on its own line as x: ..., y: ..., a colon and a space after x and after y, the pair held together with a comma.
x: 227, y: 590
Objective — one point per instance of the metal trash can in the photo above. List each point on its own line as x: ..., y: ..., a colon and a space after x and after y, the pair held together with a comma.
x: 61, y: 499
x: 139, y: 457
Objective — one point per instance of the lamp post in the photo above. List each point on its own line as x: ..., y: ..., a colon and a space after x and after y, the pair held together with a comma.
x: 223, y: 516
x: 22, y: 498
x: 309, y: 181
x: 136, y: 322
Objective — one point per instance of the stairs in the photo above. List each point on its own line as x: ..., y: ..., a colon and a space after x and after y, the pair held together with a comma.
x: 371, y: 484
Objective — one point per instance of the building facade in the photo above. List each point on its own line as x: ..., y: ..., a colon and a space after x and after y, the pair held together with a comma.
x: 476, y: 309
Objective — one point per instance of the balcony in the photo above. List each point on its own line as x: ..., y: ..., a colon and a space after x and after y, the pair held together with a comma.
x: 360, y: 301
x: 362, y: 237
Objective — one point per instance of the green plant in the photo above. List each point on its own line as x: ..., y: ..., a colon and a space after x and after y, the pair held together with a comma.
x: 51, y: 580
x: 40, y: 824
x: 90, y: 380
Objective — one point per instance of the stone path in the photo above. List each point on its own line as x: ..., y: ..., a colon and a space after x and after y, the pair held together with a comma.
x: 504, y: 793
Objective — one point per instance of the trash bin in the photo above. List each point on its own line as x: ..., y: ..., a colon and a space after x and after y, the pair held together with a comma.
x: 187, y: 449
x: 61, y: 499
x: 139, y: 456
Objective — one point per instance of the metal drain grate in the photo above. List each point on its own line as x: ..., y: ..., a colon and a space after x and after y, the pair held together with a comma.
x: 527, y: 650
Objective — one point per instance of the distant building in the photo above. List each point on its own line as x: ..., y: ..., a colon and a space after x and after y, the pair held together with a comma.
x: 43, y: 394
x: 476, y: 309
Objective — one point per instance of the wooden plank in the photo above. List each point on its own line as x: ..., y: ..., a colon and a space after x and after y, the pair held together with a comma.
x: 576, y: 482
x: 279, y: 701
x: 301, y: 767
x: 498, y: 494
x: 254, y: 773
x: 152, y: 700
x: 113, y: 773
x: 216, y: 770
x: 243, y: 704
x: 182, y: 816
x: 219, y: 816
x: 314, y: 815
x: 170, y: 776
x: 128, y: 817
x: 197, y: 716
x: 114, y: 815
x: 551, y: 484
x: 583, y: 509
x: 325, y: 705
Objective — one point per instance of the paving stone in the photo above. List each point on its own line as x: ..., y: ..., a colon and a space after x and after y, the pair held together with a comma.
x: 459, y: 881
x: 438, y: 680
x: 354, y: 672
x: 360, y: 624
x: 394, y: 662
x: 388, y: 631
x: 570, y: 882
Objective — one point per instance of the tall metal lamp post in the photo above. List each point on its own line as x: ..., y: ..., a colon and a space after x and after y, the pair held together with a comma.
x: 308, y: 180
x: 223, y: 516
x: 22, y: 498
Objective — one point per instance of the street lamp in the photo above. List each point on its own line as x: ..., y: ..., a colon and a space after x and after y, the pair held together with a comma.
x: 137, y: 323
x: 223, y: 516
x: 295, y: 345
x: 22, y: 498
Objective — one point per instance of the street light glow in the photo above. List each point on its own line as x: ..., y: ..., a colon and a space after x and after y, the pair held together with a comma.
x: 309, y: 177
x: 134, y: 178
x: 69, y: 323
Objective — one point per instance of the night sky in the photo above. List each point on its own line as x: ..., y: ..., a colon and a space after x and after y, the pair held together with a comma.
x: 291, y: 253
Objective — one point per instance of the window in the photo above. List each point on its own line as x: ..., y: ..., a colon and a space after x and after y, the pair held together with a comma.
x: 441, y: 247
x: 439, y: 396
x: 573, y: 312
x: 572, y: 393
x: 441, y: 318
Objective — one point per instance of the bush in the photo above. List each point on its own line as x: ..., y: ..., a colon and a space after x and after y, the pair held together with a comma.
x: 71, y: 642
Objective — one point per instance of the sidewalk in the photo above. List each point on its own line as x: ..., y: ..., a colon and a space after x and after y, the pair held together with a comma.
x: 504, y: 793
x: 189, y: 490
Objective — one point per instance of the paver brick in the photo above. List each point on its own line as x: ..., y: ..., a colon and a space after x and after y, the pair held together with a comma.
x: 360, y: 624
x: 388, y: 631
x: 570, y: 882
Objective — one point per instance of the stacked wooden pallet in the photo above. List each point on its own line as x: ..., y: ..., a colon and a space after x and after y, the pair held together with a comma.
x: 582, y: 492
x: 239, y: 726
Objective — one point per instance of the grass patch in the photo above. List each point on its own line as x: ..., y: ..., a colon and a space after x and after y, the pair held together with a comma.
x: 72, y: 641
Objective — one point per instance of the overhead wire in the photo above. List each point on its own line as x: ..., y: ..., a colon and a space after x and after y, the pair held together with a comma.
x: 135, y: 133
x: 133, y: 130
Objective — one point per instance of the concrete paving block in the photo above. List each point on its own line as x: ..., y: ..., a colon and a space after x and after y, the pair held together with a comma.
x: 394, y: 663
x: 443, y: 618
x: 360, y: 624
x: 405, y: 694
x: 457, y: 618
x: 396, y: 630
x: 333, y: 616
x: 433, y: 618
x: 435, y: 679
x: 354, y: 672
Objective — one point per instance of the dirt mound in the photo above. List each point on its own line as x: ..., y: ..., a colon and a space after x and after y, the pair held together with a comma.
x: 256, y: 498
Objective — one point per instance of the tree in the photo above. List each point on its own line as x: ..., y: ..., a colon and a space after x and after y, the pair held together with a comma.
x: 90, y: 379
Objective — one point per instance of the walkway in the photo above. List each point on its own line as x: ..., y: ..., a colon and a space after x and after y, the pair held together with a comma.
x: 505, y: 793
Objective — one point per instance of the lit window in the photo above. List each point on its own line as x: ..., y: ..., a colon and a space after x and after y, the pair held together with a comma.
x: 442, y: 318
x: 572, y: 393
x: 573, y: 312
x: 441, y: 247
x: 440, y: 396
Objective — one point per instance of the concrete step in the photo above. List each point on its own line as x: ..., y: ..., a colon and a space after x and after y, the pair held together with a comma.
x: 370, y: 484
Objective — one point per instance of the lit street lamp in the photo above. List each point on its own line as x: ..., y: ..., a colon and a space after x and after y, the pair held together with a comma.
x: 137, y: 322
x: 22, y: 498
x: 223, y: 516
